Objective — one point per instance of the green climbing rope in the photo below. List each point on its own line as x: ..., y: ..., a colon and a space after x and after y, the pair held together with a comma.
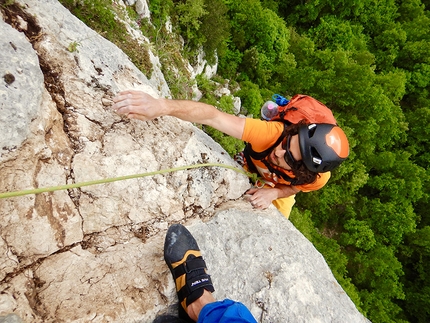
x: 115, y: 179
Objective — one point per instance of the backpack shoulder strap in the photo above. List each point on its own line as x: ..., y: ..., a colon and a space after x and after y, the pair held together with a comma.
x: 281, y: 174
x: 263, y: 154
x: 249, y: 152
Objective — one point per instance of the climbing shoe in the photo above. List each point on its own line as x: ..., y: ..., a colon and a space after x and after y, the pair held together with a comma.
x: 183, y: 257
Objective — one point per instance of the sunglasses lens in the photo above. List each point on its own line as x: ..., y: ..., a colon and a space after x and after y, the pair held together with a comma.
x: 289, y: 159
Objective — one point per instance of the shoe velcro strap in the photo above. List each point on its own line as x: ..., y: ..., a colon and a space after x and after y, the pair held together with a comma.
x: 189, y: 266
x: 195, y: 283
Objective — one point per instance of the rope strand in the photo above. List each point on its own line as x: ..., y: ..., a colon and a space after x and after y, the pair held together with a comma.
x: 115, y: 179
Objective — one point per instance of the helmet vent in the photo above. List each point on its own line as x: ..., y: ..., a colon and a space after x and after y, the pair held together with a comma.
x: 316, y: 157
x: 311, y: 131
x: 317, y: 161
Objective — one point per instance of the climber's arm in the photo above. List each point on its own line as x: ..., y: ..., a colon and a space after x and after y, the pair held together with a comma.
x: 286, y: 190
x: 142, y: 106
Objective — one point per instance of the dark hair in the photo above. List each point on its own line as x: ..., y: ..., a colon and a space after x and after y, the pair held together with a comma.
x: 301, y: 172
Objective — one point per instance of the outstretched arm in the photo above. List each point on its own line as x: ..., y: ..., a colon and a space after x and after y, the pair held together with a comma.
x: 142, y: 106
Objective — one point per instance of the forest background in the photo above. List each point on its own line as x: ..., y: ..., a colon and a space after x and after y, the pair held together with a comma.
x: 369, y: 61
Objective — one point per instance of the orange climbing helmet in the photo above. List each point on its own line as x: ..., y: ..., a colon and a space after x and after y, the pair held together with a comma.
x: 323, y: 146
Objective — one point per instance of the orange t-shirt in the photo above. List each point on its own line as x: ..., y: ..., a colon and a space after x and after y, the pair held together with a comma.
x: 262, y: 135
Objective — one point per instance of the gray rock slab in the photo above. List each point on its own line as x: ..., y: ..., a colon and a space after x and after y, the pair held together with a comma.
x: 263, y: 261
x: 21, y: 86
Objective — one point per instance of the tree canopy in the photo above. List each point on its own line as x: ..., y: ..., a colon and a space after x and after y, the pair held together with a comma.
x: 368, y: 61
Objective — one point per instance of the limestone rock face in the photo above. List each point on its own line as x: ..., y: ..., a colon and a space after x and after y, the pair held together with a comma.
x: 19, y: 71
x: 95, y: 253
x: 270, y: 267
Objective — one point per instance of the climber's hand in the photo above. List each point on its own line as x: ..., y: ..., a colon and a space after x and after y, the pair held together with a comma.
x: 137, y: 105
x: 261, y: 198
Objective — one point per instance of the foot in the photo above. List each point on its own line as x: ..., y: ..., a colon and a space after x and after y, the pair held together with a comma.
x: 184, y: 259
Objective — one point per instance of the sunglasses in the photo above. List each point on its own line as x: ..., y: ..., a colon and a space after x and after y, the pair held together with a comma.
x: 289, y: 158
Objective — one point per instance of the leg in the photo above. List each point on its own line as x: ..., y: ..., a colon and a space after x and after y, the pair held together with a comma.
x: 226, y: 311
x: 285, y: 205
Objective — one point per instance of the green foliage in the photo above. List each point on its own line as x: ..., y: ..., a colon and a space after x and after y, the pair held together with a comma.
x: 73, y: 47
x: 251, y: 98
x: 160, y: 11
x: 376, y: 273
x: 206, y: 86
x: 393, y: 84
x: 419, y: 135
x: 180, y: 84
x: 335, y: 33
x: 259, y: 40
x: 358, y: 234
x: 416, y: 256
x: 189, y: 14
x: 202, y: 24
x: 168, y: 47
x: 366, y: 60
x: 215, y: 29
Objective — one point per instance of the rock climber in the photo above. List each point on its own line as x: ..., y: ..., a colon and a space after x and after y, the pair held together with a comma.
x: 300, y: 160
